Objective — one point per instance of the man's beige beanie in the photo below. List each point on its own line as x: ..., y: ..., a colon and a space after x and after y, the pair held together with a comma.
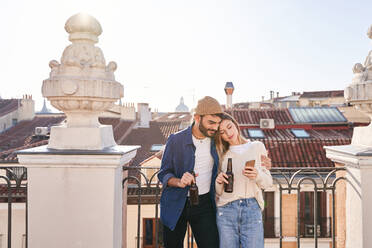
x: 208, y: 106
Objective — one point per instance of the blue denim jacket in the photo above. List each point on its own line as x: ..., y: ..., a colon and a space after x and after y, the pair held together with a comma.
x: 178, y: 158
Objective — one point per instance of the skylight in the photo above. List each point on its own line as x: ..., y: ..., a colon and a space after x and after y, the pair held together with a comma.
x: 156, y: 147
x: 256, y: 133
x: 300, y: 133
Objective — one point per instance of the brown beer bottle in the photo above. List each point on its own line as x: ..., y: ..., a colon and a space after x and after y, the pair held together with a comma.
x: 230, y: 177
x: 194, y: 193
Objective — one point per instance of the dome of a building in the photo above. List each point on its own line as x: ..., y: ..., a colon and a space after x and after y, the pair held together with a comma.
x: 182, y: 107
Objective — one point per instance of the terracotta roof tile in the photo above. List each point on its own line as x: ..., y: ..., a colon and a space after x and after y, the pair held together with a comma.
x: 17, y: 135
x: 167, y: 128
x: 173, y: 116
x: 9, y: 155
x: 322, y: 94
x: 288, y: 151
x: 301, y: 153
x: 253, y: 116
x: 145, y: 137
x: 8, y: 105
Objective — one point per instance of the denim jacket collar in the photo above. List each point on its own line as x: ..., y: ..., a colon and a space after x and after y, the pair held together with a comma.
x: 189, y: 136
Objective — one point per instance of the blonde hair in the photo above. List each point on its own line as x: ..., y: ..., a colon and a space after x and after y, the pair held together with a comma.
x: 223, y: 146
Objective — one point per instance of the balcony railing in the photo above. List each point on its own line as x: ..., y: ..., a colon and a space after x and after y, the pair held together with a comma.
x: 13, y: 189
x: 310, y: 224
x: 144, y: 188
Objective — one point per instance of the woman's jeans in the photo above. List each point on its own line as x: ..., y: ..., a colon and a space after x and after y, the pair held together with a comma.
x: 240, y: 224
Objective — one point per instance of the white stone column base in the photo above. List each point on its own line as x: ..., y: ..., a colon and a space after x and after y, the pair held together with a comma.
x: 362, y: 136
x: 82, y: 138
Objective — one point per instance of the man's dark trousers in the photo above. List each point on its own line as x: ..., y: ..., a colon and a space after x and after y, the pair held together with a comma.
x: 202, y: 219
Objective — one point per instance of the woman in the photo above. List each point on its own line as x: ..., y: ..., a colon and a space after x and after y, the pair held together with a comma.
x: 239, y: 217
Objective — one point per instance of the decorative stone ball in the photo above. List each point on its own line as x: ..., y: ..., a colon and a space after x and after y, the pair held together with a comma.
x: 83, y: 23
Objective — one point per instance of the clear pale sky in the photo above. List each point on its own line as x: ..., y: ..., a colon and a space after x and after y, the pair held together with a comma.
x: 166, y: 49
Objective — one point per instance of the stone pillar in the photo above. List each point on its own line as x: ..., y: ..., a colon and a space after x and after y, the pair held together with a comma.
x: 357, y: 158
x: 75, y: 196
x: 340, y: 202
x: 358, y: 161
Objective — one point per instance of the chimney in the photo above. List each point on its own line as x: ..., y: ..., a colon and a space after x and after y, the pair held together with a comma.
x: 144, y: 115
x: 229, y: 89
x: 128, y: 111
x: 277, y: 94
x: 271, y: 94
x: 26, y: 108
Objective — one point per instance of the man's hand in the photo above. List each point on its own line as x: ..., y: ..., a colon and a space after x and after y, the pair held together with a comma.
x: 186, y: 179
x: 222, y: 178
x: 266, y: 162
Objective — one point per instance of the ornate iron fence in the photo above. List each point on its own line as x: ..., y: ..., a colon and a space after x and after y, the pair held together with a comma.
x: 144, y: 188
x: 322, y: 179
x: 287, y: 180
x: 13, y: 189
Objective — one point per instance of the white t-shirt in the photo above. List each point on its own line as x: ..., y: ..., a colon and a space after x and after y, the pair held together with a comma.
x: 203, y: 164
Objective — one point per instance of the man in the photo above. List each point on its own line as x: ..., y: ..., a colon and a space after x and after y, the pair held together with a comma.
x: 192, y: 149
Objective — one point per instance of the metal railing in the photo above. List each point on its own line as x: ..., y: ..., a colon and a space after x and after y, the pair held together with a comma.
x: 13, y: 188
x: 322, y: 179
x: 287, y: 180
x: 144, y: 188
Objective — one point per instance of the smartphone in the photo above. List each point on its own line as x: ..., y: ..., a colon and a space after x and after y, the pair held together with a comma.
x: 250, y: 163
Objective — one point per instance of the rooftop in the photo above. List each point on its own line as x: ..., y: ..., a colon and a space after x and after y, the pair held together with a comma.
x: 322, y: 94
x: 7, y: 106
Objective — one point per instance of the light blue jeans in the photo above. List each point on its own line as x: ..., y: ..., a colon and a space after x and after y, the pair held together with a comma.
x: 240, y: 224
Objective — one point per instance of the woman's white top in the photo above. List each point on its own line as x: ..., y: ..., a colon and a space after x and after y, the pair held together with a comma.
x: 243, y: 186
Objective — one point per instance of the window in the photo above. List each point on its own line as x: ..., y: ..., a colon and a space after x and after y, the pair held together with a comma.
x: 149, y: 234
x: 156, y: 147
x: 268, y: 215
x: 300, y: 133
x: 307, y: 227
x: 256, y: 133
x: 14, y: 121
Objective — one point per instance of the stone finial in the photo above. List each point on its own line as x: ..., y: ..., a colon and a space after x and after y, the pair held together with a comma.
x: 359, y: 93
x: 83, y: 27
x: 82, y: 85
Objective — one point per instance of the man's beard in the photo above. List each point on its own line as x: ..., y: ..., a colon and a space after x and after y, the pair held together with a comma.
x: 204, y: 130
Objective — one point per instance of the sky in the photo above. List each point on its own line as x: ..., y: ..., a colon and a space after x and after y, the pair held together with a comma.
x: 166, y: 49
